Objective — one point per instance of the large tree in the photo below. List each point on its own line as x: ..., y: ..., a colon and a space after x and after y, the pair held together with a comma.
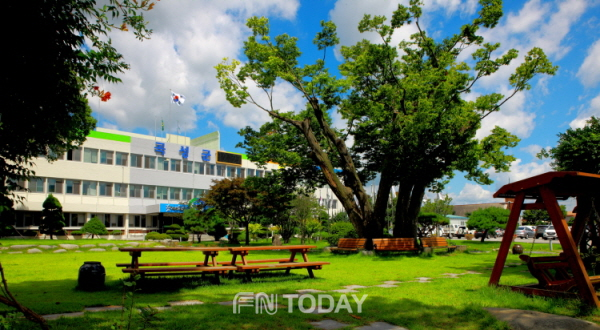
x: 53, y: 219
x: 404, y: 105
x: 56, y: 61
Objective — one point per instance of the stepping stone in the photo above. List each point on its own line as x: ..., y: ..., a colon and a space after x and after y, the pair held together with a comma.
x: 451, y: 275
x: 103, y: 308
x: 15, y: 252
x: 79, y: 251
x: 115, y: 248
x: 472, y: 272
x: 380, y: 326
x: 423, y: 279
x: 351, y: 287
x: 106, y: 244
x: 21, y: 247
x: 69, y: 246
x: 344, y: 291
x: 185, y: 303
x: 46, y: 247
x: 97, y: 250
x: 309, y: 291
x: 329, y: 324
x: 59, y: 251
x: 34, y: 251
x: 392, y: 282
x: 386, y: 286
x: 51, y: 317
x: 88, y: 246
x: 133, y: 243
x: 323, y: 310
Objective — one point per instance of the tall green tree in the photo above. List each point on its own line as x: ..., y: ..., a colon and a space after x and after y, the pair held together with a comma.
x: 488, y: 219
x: 95, y: 227
x: 199, y: 219
x: 60, y: 58
x: 53, y: 218
x: 403, y: 103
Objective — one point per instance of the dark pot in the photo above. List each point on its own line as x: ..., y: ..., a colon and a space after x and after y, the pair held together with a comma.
x: 91, y: 276
x: 517, y: 249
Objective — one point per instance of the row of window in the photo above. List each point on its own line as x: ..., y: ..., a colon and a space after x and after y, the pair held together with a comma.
x: 27, y: 219
x: 110, y: 189
x: 109, y: 157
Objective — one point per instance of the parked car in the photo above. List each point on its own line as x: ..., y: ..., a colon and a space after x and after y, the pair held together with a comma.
x: 499, y: 232
x: 539, y: 230
x: 490, y: 234
x: 549, y: 233
x: 524, y: 232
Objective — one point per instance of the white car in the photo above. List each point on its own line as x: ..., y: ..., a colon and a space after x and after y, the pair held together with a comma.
x: 549, y: 233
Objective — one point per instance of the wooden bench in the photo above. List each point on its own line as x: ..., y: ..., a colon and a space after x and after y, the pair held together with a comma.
x: 394, y: 244
x: 349, y: 244
x: 164, y: 271
x: 258, y: 261
x: 437, y: 243
x: 552, y: 273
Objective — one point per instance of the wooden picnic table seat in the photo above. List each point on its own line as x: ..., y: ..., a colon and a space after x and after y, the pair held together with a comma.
x: 394, y: 244
x: 437, y: 243
x: 258, y: 261
x: 164, y: 271
x: 553, y: 272
x: 349, y: 244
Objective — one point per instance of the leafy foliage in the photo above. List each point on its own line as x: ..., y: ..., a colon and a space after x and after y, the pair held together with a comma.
x: 341, y: 229
x: 53, y: 218
x: 404, y: 105
x: 200, y: 219
x: 67, y: 53
x: 429, y: 221
x: 540, y: 217
x: 94, y: 227
x: 488, y: 219
x: 176, y: 232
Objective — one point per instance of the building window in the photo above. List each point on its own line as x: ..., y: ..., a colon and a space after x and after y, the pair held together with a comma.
x: 260, y: 173
x: 334, y: 204
x: 198, y: 168
x: 220, y: 170
x: 150, y: 162
x: 107, y: 220
x: 121, y: 159
x: 106, y: 157
x: 120, y: 220
x: 135, y: 190
x: 175, y: 193
x: 106, y: 189
x: 240, y: 172
x: 163, y: 164
x: 90, y: 155
x: 187, y: 194
x: 187, y: 166
x: 250, y: 172
x: 135, y: 221
x: 210, y: 169
x: 55, y: 186
x: 73, y: 187
x: 149, y: 191
x: 74, y: 155
x: 120, y: 190
x: 175, y: 165
x: 199, y: 193
x: 154, y: 221
x: 230, y: 172
x: 162, y: 192
x: 90, y: 188
x: 36, y: 185
x: 136, y: 161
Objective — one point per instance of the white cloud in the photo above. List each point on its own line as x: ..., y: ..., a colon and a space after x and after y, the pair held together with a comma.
x: 473, y: 194
x: 513, y: 117
x: 589, y: 72
x: 593, y: 110
x: 189, y: 39
x: 532, y: 149
x: 519, y: 171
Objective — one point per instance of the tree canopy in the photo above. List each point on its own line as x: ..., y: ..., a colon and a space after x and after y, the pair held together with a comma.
x: 488, y: 219
x: 63, y: 55
x: 403, y: 103
x: 53, y: 218
x: 95, y: 227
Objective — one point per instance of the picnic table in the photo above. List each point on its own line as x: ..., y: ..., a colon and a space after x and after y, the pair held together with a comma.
x: 287, y: 264
x: 208, y: 266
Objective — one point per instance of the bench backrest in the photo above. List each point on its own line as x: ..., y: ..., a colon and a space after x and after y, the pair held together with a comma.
x: 352, y: 243
x: 394, y: 243
x: 434, y: 241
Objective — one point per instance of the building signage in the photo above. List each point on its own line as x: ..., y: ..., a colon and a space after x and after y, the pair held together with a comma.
x: 229, y: 158
x: 185, y: 152
x: 205, y: 155
x: 173, y: 208
x: 160, y: 148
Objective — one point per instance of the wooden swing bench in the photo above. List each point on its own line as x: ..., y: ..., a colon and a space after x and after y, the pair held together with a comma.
x: 553, y: 273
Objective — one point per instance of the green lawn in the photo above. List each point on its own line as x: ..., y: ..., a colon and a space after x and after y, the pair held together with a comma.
x: 46, y: 283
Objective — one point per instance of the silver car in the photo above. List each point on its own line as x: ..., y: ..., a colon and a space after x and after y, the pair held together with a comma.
x: 549, y: 233
x: 524, y: 232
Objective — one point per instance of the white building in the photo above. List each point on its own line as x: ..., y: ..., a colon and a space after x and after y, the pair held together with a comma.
x: 135, y: 183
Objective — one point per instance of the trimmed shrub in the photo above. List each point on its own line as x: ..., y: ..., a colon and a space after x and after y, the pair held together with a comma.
x: 341, y: 229
x: 115, y: 232
x: 157, y: 236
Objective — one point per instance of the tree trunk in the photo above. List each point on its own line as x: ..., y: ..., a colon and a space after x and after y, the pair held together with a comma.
x: 408, y: 206
x: 484, y: 235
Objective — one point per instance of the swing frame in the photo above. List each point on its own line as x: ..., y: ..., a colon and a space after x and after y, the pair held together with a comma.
x: 546, y: 189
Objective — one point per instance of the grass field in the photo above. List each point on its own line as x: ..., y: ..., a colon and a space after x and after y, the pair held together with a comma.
x: 46, y: 283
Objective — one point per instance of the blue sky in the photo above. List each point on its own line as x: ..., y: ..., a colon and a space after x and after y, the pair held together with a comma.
x: 192, y: 36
